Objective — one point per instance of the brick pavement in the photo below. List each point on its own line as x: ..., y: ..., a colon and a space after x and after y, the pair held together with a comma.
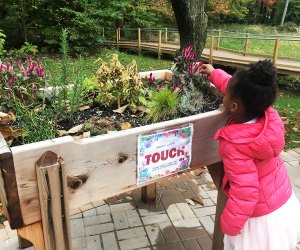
x: 124, y: 222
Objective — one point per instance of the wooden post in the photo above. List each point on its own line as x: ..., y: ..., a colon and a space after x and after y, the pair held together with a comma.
x: 33, y: 233
x: 53, y: 193
x: 211, y: 51
x: 139, y: 41
x: 117, y: 38
x: 159, y: 44
x: 246, y: 44
x: 219, y: 39
x: 166, y: 35
x: 119, y: 34
x: 275, y: 54
x: 149, y: 193
x: 217, y: 172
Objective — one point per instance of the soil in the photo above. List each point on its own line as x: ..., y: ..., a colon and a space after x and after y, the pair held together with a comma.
x: 106, y: 115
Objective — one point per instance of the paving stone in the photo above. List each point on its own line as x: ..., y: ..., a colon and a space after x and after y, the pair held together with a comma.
x: 98, y: 219
x: 205, y: 243
x: 168, y: 200
x: 77, y: 228
x: 134, y: 243
x: 193, y: 222
x: 121, y: 207
x: 78, y: 243
x: 207, y: 203
x: 155, y: 235
x: 198, y: 190
x: 170, y: 246
x: 172, y: 186
x: 131, y: 233
x: 90, y: 212
x: 191, y: 245
x: 185, y: 210
x: 174, y: 213
x: 76, y: 216
x: 208, y: 224
x: 294, y: 163
x: 294, y: 154
x: 212, y: 193
x: 297, y: 150
x: 169, y: 233
x: 155, y: 219
x: 213, y: 217
x: 120, y: 220
x: 3, y: 235
x: 93, y: 242
x: 99, y: 229
x: 191, y: 233
x: 204, y: 211
x: 104, y: 209
x: 133, y: 218
x: 109, y: 241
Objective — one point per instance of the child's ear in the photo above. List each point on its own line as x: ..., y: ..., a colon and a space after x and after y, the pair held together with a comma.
x: 234, y: 107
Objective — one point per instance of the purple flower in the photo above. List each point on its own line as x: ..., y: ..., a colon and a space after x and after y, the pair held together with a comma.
x: 151, y: 79
x: 7, y: 95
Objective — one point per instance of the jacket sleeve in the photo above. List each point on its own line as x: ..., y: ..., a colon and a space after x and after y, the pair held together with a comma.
x: 220, y: 79
x: 242, y: 175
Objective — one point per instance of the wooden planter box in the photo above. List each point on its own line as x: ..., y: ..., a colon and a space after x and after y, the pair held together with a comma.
x: 97, y: 167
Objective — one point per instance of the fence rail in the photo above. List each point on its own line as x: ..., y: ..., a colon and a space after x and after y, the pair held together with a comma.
x: 166, y: 40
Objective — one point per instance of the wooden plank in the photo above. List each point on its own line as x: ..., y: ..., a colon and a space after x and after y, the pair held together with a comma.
x: 8, y: 187
x: 95, y: 161
x: 275, y: 54
x: 53, y: 195
x: 33, y: 233
x: 246, y: 45
x: 211, y: 50
x: 217, y: 172
x: 159, y: 44
x: 148, y: 193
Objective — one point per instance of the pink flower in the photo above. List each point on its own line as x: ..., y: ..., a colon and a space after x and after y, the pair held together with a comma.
x: 151, y: 79
x: 7, y: 95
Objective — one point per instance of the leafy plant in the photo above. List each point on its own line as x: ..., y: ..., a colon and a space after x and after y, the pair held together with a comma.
x: 186, y: 75
x: 163, y: 105
x: 2, y: 42
x: 20, y: 82
x: 118, y: 84
x: 27, y: 49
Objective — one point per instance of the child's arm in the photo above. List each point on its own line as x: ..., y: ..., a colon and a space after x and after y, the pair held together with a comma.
x: 217, y: 76
x: 243, y: 191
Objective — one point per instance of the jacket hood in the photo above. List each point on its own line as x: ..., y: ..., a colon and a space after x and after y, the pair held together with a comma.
x: 264, y: 138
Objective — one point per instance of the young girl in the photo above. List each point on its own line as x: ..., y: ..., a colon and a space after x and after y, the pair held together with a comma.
x: 262, y: 212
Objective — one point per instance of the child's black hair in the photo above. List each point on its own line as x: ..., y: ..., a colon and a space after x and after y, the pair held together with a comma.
x: 256, y: 87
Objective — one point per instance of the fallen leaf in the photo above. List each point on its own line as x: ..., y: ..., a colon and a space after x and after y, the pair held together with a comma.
x: 125, y: 125
x: 8, y: 131
x: 61, y: 133
x: 12, y: 116
x: 84, y: 107
x: 190, y: 202
x: 82, y: 136
x: 198, y: 200
x: 4, y: 118
x: 143, y: 109
x: 120, y: 110
x: 75, y: 129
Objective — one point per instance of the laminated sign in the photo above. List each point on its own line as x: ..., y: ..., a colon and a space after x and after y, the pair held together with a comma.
x: 164, y: 153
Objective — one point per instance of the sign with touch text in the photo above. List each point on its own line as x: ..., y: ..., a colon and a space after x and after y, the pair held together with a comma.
x: 164, y: 153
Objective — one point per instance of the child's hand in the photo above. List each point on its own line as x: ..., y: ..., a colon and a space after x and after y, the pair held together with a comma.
x: 206, y: 69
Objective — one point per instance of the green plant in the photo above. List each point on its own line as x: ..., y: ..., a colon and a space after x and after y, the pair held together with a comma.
x: 118, y: 84
x: 2, y: 42
x: 163, y: 105
x: 27, y: 49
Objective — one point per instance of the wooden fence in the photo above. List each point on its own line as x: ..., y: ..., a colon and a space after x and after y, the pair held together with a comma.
x: 167, y: 41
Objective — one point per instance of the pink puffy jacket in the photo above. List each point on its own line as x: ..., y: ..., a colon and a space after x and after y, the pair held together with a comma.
x: 256, y: 180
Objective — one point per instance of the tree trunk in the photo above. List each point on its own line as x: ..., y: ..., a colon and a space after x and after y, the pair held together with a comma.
x: 284, y: 12
x: 191, y: 22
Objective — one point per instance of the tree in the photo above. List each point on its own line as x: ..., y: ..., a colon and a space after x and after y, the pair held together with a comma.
x: 191, y: 23
x: 284, y: 12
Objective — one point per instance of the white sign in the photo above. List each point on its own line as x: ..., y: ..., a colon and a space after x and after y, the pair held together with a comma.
x: 164, y: 153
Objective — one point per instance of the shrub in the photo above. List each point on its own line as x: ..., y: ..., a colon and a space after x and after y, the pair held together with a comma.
x: 291, y: 83
x: 119, y: 85
x: 288, y: 27
x: 163, y: 105
x: 2, y: 42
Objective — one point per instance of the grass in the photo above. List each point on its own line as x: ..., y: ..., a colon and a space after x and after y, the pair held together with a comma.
x: 288, y: 105
x: 52, y: 65
x: 265, y: 47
